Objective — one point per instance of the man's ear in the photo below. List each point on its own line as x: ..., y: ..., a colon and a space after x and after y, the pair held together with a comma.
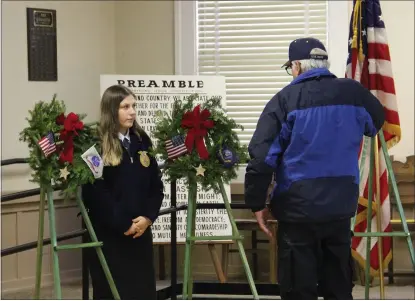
x: 297, y: 65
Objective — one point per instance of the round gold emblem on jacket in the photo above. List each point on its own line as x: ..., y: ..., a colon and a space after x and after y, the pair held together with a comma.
x: 144, y: 159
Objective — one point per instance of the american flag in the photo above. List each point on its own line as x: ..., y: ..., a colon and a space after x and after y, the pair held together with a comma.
x: 369, y: 63
x: 47, y: 144
x: 175, y: 147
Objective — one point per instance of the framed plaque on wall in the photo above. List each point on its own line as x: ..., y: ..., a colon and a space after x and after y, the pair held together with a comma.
x: 42, y: 44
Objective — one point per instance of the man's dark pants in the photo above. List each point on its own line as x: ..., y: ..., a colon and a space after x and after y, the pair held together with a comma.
x: 311, y: 254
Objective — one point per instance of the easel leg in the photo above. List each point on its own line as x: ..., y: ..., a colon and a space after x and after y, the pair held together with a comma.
x: 98, y: 249
x: 191, y: 210
x: 398, y: 198
x: 54, y: 244
x: 379, y: 219
x: 39, y: 256
x: 192, y: 244
x: 235, y: 232
x: 369, y: 220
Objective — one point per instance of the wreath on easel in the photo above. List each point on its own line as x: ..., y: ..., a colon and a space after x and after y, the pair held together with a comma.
x: 199, y: 139
x: 63, y: 149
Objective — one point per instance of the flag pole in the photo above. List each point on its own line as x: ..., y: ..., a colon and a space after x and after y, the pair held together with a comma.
x: 379, y: 219
x: 369, y: 217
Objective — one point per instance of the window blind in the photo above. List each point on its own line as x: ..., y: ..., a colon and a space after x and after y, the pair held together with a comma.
x: 247, y: 42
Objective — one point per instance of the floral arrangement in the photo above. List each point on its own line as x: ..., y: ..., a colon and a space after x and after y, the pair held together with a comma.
x: 199, y: 141
x: 58, y: 145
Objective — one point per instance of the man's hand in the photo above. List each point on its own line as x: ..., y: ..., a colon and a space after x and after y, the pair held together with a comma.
x: 262, y: 218
x: 141, y: 223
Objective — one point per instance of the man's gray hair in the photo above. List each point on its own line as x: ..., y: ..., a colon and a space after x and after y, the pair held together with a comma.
x: 309, y: 64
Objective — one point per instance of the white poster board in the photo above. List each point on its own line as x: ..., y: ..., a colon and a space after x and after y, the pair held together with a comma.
x: 158, y: 92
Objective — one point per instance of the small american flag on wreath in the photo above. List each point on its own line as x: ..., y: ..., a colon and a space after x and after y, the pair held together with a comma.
x: 175, y: 147
x: 47, y: 144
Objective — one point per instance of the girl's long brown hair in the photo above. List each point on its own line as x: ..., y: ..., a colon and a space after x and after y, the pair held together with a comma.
x: 109, y: 124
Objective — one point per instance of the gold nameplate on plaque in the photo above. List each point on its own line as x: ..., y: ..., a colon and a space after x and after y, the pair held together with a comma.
x: 144, y: 159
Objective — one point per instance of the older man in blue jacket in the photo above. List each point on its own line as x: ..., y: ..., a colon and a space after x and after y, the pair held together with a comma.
x: 309, y: 136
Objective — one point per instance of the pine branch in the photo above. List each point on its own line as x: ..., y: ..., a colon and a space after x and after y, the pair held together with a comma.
x: 223, y: 133
x: 41, y: 121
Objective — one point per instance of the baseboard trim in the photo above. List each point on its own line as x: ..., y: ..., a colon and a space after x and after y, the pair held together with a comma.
x: 14, y: 285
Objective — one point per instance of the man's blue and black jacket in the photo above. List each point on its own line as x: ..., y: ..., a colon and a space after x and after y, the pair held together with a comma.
x: 309, y: 135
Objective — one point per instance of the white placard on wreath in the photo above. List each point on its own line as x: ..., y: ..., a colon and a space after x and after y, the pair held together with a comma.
x: 158, y: 92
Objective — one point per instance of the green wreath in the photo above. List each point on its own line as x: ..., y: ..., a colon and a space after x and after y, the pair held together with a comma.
x: 57, y: 144
x: 199, y: 139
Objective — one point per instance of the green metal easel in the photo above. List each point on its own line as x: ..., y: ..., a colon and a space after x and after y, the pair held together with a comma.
x: 191, y: 238
x: 55, y: 248
x: 368, y: 234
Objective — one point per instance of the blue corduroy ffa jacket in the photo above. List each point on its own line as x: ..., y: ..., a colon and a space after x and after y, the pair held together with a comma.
x: 126, y: 191
x: 309, y: 135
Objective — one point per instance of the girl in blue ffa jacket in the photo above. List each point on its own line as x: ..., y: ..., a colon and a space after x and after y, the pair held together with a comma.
x: 125, y: 202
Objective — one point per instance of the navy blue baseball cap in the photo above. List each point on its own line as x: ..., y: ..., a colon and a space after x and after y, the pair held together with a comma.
x: 305, y: 49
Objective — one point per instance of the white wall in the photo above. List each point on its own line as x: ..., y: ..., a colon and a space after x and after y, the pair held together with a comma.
x: 144, y: 37
x: 399, y: 21
x: 86, y: 49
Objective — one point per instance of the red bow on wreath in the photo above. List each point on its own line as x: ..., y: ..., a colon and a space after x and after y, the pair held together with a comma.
x: 197, y: 122
x: 71, y: 124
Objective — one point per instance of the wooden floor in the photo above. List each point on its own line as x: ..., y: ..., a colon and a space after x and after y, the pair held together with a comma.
x: 73, y: 291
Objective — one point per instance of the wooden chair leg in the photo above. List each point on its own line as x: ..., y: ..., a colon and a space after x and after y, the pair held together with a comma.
x: 254, y: 244
x: 390, y: 268
x: 225, y: 260
x: 216, y: 263
x: 273, y: 255
x: 162, y: 270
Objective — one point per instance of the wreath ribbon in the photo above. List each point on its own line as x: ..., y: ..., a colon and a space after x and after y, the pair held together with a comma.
x: 197, y: 123
x: 71, y: 124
